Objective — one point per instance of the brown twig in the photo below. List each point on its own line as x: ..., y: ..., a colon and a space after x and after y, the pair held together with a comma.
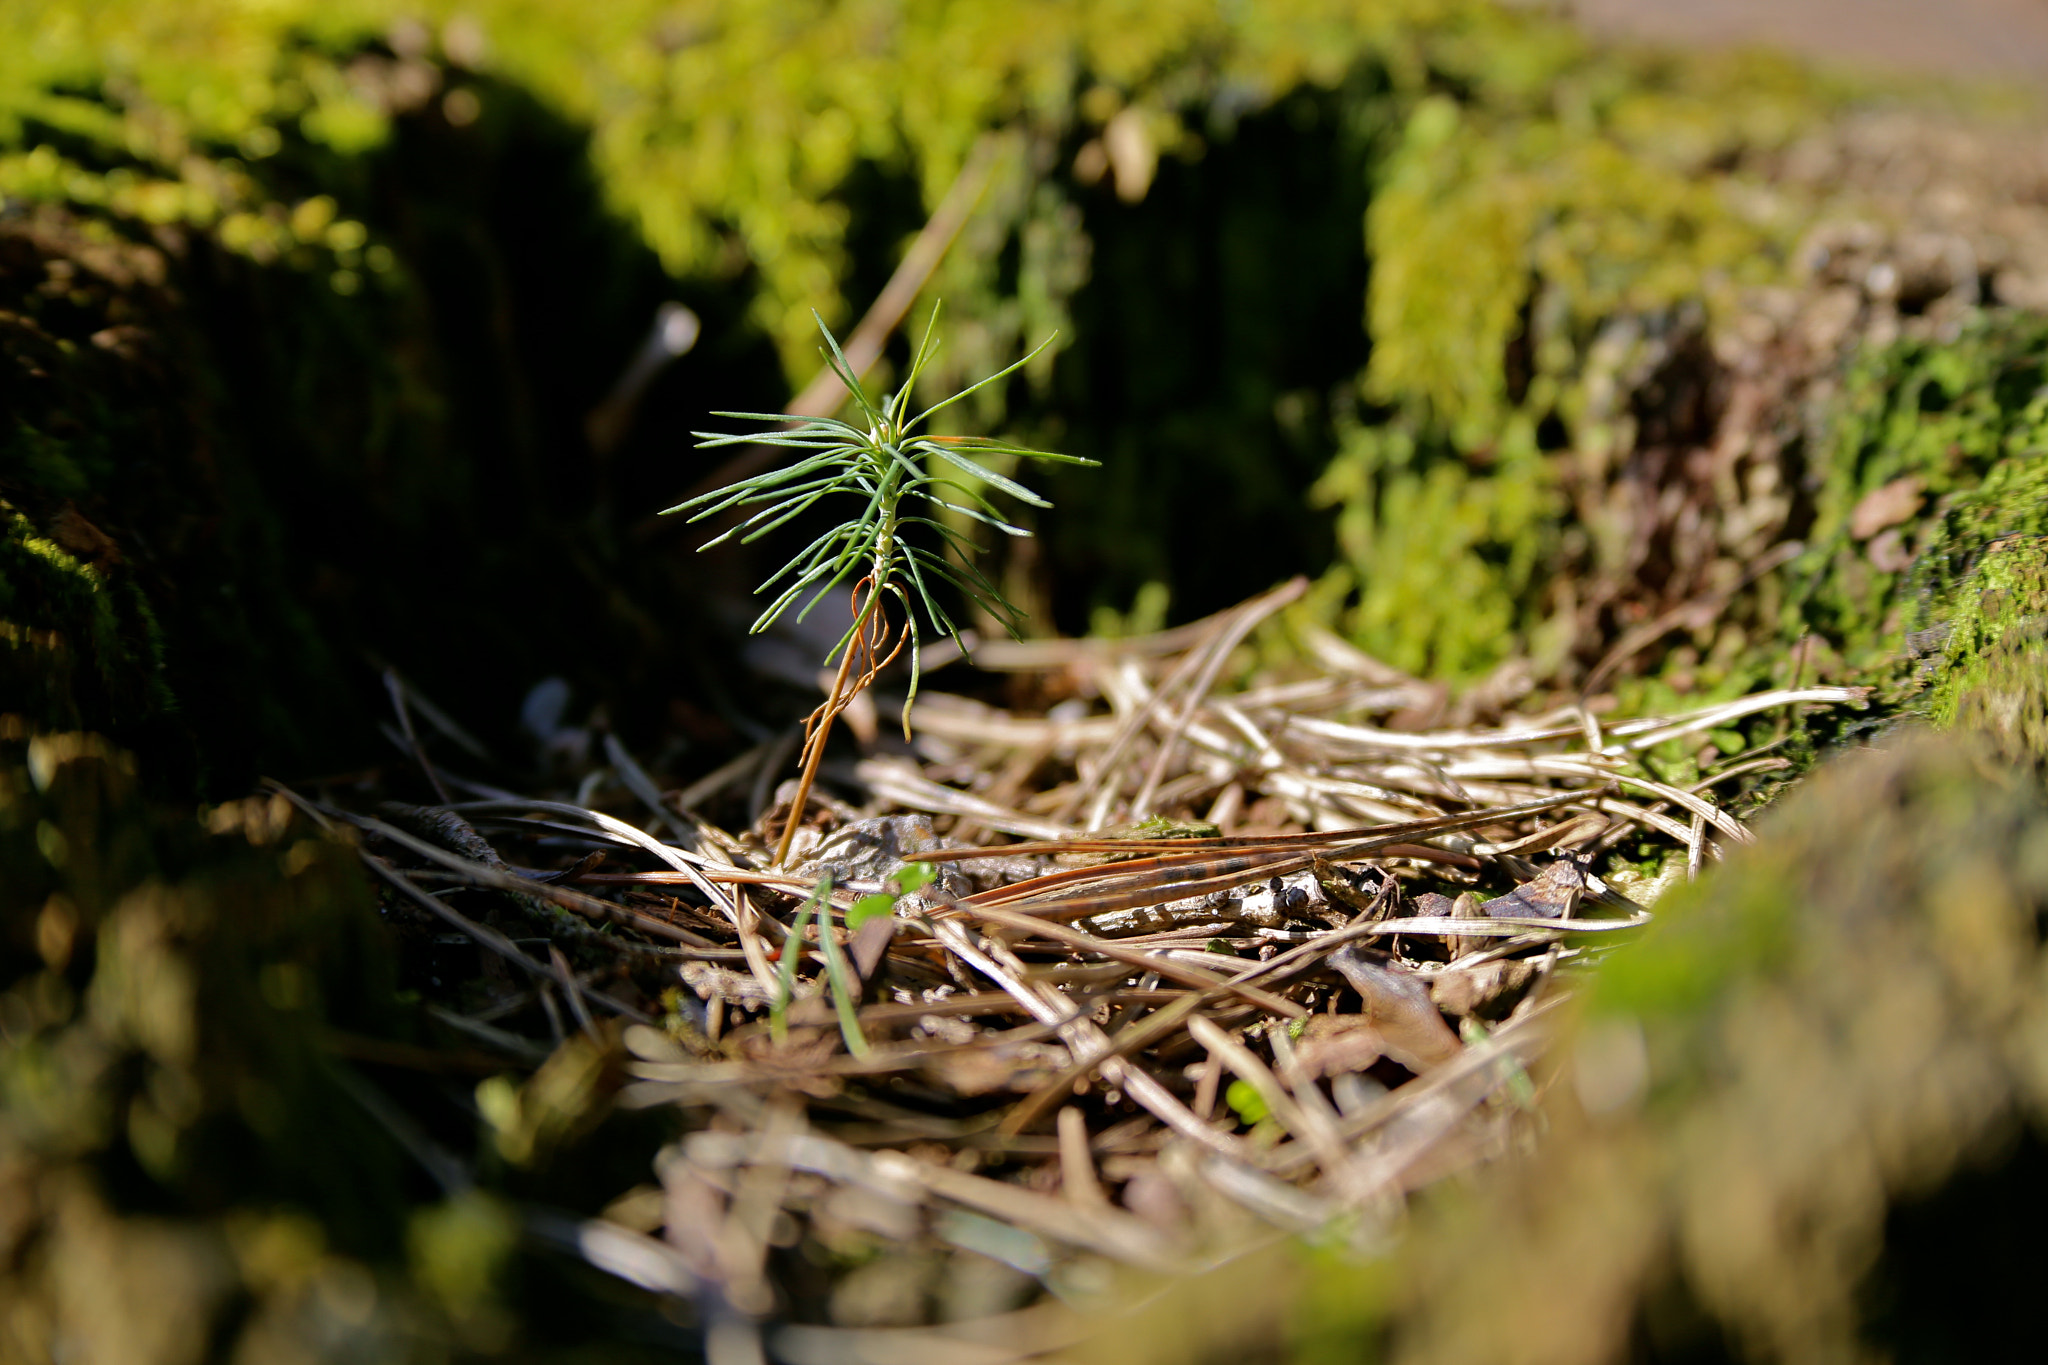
x: 867, y: 616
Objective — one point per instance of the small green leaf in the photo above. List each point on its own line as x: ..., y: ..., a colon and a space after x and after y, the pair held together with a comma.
x: 877, y: 906
x: 845, y: 990
x: 916, y: 876
x: 792, y: 955
x: 1245, y: 1100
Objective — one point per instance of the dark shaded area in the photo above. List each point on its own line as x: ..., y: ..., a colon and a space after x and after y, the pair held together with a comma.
x: 1220, y: 322
x: 1961, y: 1265
x: 174, y: 983
x: 284, y: 485
x: 533, y: 297
x: 1671, y: 1328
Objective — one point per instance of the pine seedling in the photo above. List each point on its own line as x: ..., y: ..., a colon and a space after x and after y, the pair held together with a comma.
x: 904, y: 481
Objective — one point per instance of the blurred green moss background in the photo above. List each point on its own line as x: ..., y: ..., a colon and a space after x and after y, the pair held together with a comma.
x: 339, y: 158
x: 1435, y: 301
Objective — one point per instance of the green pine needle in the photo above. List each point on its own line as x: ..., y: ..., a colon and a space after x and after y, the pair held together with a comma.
x: 880, y: 466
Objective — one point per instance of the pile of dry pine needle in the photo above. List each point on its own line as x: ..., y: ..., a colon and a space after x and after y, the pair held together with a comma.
x: 1205, y: 1001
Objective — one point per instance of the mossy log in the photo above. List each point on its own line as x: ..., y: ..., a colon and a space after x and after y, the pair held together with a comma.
x: 224, y: 1136
x: 238, y: 481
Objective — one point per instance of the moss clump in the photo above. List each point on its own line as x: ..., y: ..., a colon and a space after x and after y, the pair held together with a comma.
x: 1992, y: 674
x: 1420, y: 527
x: 1562, y: 187
x: 1930, y: 496
x: 216, y: 1129
x: 1930, y: 452
x: 1551, y: 225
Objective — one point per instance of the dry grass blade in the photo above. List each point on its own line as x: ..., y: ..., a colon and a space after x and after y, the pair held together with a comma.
x: 1153, y: 962
x: 1228, y: 638
x: 1292, y: 1116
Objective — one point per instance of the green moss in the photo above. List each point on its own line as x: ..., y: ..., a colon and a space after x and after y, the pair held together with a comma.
x: 1548, y: 214
x: 1574, y: 186
x: 1525, y: 190
x: 1954, y: 431
x: 1992, y: 674
x: 738, y: 123
x: 1684, y: 970
x: 1425, y: 265
x: 1420, y: 529
x: 73, y: 646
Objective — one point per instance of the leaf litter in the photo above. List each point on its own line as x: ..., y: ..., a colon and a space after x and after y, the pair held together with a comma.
x: 1134, y: 982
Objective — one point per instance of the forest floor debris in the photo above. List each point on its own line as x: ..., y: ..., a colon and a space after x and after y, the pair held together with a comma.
x: 1132, y: 981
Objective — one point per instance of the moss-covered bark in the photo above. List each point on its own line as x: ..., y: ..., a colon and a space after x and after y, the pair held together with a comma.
x: 223, y: 1135
x: 1848, y: 1018
x: 144, y: 588
x: 1539, y: 329
x: 181, y: 1165
x: 243, y: 473
x: 1208, y: 203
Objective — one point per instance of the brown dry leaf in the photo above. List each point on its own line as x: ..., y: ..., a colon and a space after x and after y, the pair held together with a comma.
x: 1553, y: 894
x: 1481, y: 990
x: 1885, y: 506
x: 1020, y: 1069
x: 1465, y: 907
x: 1398, y: 1006
x: 1334, y: 1043
x: 1340, y: 888
x: 869, y: 943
